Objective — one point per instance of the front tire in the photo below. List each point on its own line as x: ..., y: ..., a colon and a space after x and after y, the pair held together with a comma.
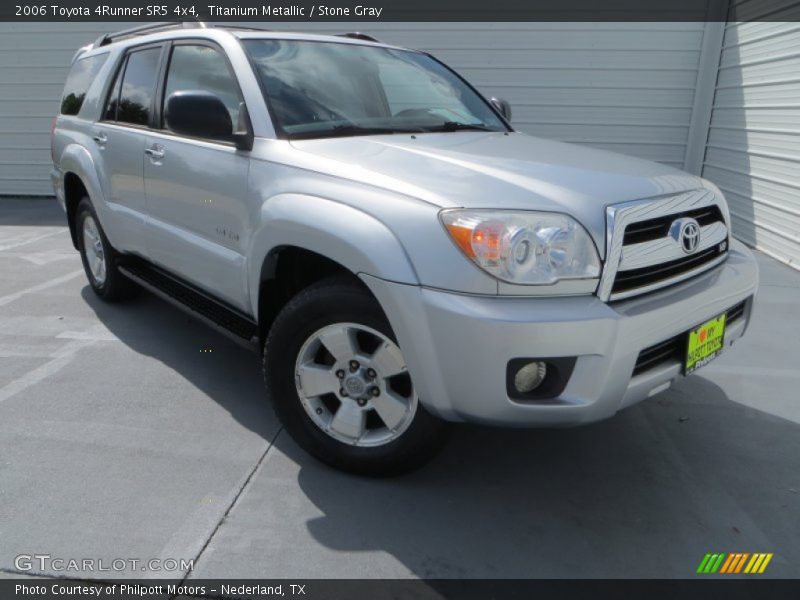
x: 339, y: 384
x: 98, y: 257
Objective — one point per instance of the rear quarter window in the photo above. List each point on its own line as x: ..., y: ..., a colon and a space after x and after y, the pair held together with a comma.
x: 130, y: 101
x: 81, y: 76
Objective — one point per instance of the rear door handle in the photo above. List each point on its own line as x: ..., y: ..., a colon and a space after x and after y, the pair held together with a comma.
x: 155, y: 152
x: 100, y: 138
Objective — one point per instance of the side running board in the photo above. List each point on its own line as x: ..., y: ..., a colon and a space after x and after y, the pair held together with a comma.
x: 225, y: 319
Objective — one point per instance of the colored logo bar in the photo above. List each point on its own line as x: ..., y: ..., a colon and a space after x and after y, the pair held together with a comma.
x: 734, y: 562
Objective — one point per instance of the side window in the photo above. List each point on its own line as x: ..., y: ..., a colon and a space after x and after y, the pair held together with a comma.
x: 110, y: 113
x: 80, y: 77
x: 138, y: 86
x: 201, y: 68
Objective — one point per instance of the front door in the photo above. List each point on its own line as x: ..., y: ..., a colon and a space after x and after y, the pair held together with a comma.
x: 196, y: 189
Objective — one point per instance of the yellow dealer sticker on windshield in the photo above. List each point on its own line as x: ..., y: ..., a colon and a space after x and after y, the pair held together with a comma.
x: 705, y: 343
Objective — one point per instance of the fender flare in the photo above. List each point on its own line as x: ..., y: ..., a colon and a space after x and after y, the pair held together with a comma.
x: 351, y: 237
x: 76, y: 159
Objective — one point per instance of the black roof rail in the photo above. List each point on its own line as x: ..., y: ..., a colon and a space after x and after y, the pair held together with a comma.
x: 357, y: 35
x: 108, y: 38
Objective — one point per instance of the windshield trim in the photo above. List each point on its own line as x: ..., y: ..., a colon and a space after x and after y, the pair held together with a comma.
x: 282, y: 134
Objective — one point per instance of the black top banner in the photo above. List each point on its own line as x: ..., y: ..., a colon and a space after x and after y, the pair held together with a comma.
x: 401, y: 10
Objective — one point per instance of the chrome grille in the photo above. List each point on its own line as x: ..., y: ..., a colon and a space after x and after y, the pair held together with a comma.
x: 634, y: 279
x: 653, y: 229
x: 643, y: 255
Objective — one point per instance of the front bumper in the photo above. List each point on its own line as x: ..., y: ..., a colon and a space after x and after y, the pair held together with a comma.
x: 457, y: 346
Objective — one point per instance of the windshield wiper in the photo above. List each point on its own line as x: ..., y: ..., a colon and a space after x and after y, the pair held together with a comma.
x: 349, y: 130
x: 458, y: 126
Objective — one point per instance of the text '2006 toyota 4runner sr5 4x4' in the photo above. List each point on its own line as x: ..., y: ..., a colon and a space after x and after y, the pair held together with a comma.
x: 401, y: 256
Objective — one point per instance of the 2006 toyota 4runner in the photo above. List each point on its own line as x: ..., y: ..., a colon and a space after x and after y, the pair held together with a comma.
x: 401, y: 256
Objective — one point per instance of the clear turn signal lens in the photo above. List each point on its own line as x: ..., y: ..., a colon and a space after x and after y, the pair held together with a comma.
x: 524, y: 247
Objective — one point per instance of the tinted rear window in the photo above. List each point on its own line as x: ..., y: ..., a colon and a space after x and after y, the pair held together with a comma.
x: 138, y: 86
x: 80, y: 77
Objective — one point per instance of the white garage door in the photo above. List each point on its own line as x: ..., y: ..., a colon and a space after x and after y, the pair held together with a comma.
x: 753, y: 150
x: 34, y: 60
x: 628, y: 87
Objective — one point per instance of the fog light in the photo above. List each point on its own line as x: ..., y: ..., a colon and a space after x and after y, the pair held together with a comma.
x: 529, y: 377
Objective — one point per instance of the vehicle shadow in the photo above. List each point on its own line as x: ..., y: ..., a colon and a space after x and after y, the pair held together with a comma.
x: 217, y: 366
x: 645, y: 494
x: 35, y: 211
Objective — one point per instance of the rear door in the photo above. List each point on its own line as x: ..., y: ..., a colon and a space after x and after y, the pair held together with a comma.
x: 120, y: 139
x: 197, y: 188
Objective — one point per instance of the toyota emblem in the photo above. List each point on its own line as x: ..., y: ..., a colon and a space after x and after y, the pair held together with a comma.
x: 686, y: 232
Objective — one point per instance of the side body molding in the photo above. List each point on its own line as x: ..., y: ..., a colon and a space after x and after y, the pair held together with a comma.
x: 351, y: 237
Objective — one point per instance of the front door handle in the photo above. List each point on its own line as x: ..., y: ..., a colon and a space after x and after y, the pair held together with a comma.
x: 156, y: 151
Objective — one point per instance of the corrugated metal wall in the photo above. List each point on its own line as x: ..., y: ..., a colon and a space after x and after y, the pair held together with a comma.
x: 34, y: 60
x: 627, y: 87
x: 753, y: 149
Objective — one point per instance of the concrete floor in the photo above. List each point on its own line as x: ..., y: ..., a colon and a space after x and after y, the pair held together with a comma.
x: 121, y: 438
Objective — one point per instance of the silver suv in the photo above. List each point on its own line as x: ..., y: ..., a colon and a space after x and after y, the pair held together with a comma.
x: 371, y: 223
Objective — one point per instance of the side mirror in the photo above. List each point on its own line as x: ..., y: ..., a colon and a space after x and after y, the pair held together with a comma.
x: 203, y: 115
x: 503, y: 107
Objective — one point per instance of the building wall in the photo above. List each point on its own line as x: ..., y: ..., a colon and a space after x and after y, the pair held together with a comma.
x: 721, y: 100
x: 753, y: 148
x: 627, y: 87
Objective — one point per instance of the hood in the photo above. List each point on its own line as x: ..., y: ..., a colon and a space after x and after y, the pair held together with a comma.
x: 497, y: 170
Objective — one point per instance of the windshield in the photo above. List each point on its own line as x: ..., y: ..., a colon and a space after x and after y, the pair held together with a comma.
x: 325, y: 89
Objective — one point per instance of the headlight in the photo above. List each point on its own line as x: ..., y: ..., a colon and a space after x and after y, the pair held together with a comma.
x: 524, y: 247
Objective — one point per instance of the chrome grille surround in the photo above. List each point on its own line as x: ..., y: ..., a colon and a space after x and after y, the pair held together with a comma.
x: 621, y: 258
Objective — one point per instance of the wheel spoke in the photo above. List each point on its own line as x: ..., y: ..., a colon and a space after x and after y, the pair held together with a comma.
x: 98, y: 265
x: 93, y: 248
x: 349, y: 420
x: 388, y: 361
x: 316, y: 380
x: 391, y: 408
x: 340, y: 343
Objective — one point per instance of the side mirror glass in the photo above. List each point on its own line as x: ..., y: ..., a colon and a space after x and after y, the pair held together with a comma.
x: 503, y: 107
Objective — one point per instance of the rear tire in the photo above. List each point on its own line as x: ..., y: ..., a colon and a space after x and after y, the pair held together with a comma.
x: 99, y: 258
x: 347, y: 400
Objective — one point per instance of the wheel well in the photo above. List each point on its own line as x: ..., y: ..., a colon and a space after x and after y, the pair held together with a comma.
x: 285, y: 272
x: 74, y: 191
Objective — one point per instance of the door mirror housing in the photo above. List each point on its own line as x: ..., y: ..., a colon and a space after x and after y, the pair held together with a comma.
x: 503, y: 107
x: 202, y: 114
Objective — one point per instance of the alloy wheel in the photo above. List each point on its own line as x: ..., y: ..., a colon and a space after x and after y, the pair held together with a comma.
x: 354, y: 385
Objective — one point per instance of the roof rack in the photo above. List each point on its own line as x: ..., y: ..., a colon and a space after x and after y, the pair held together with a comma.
x: 357, y: 35
x: 109, y: 38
